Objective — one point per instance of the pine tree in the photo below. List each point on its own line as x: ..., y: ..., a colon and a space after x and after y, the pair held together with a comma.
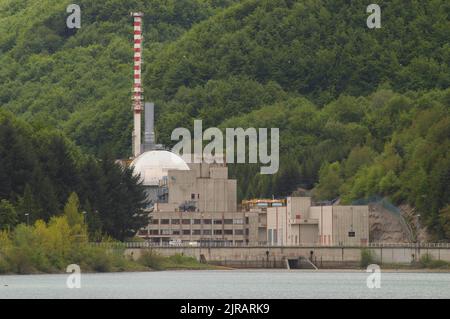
x: 72, y: 211
x: 27, y: 204
x: 8, y: 215
x: 122, y: 213
x: 44, y: 194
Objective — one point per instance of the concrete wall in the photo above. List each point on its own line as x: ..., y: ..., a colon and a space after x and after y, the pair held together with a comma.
x: 322, y: 256
x: 350, y: 218
x: 324, y: 214
x: 277, y: 219
x: 207, y: 185
x: 298, y: 207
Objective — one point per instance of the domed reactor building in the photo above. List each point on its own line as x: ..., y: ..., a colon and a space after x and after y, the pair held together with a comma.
x: 189, y: 203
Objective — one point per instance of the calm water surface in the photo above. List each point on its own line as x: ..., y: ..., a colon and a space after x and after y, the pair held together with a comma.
x: 229, y: 284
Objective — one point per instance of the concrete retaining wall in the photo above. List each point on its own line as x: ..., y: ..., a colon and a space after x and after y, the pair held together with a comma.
x: 274, y: 257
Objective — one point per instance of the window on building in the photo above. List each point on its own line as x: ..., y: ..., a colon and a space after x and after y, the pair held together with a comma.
x: 154, y: 231
x: 175, y: 232
x: 197, y: 221
x: 228, y: 232
x: 217, y: 231
x: 207, y: 221
x: 228, y: 221
x: 192, y: 196
x: 217, y: 222
x: 239, y: 232
x: 238, y: 221
x: 186, y: 231
x: 246, y: 220
x: 186, y: 221
x: 165, y: 221
x: 155, y: 221
x: 166, y: 232
x: 207, y: 232
x: 196, y: 232
x: 175, y: 222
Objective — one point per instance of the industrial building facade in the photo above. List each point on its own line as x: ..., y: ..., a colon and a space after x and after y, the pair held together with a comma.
x: 196, y: 202
x: 301, y: 223
x: 199, y: 206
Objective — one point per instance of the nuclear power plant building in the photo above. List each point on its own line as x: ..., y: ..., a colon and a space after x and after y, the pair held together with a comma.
x: 196, y: 202
x: 192, y: 202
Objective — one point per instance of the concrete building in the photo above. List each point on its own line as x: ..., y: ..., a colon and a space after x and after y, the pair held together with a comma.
x: 301, y: 223
x: 197, y: 202
x: 197, y: 205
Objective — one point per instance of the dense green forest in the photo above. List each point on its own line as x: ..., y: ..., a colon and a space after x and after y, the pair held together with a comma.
x: 361, y: 111
x: 40, y: 168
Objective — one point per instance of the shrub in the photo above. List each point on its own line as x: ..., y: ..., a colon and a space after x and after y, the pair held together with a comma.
x: 100, y: 260
x: 366, y: 257
x: 4, y: 266
x: 21, y: 262
x: 427, y: 261
x: 151, y: 260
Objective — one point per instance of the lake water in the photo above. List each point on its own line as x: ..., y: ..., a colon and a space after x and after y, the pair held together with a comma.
x: 229, y: 284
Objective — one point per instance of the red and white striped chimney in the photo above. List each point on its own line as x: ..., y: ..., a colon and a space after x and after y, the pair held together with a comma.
x: 137, y: 86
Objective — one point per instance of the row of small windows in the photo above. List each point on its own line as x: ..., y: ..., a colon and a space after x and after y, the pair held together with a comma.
x: 196, y: 232
x: 238, y: 221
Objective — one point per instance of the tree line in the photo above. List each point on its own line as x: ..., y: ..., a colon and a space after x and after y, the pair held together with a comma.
x: 361, y: 111
x: 40, y: 168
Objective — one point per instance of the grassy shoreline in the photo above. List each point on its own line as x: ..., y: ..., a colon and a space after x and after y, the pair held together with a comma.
x: 146, y: 263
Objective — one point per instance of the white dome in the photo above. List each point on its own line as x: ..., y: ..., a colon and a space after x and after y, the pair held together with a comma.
x: 153, y: 166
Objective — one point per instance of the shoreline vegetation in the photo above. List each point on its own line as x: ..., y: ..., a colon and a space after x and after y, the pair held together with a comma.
x: 50, y: 247
x: 425, y: 263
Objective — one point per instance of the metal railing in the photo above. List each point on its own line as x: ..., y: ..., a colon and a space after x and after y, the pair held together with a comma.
x: 147, y: 244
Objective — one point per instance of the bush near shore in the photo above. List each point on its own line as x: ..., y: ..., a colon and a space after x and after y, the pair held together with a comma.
x: 156, y: 261
x: 64, y: 240
x: 426, y: 262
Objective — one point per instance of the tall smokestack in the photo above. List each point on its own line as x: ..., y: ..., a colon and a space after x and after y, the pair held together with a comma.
x: 149, y: 133
x: 137, y: 87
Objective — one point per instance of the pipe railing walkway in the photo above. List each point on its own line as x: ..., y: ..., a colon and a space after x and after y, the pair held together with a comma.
x: 264, y: 245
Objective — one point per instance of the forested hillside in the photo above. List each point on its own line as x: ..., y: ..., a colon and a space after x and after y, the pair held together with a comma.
x: 362, y: 112
x: 40, y: 168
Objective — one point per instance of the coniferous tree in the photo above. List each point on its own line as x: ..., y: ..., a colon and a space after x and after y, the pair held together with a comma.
x: 123, y: 213
x: 44, y: 194
x: 27, y: 204
x: 8, y: 215
x: 72, y: 211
